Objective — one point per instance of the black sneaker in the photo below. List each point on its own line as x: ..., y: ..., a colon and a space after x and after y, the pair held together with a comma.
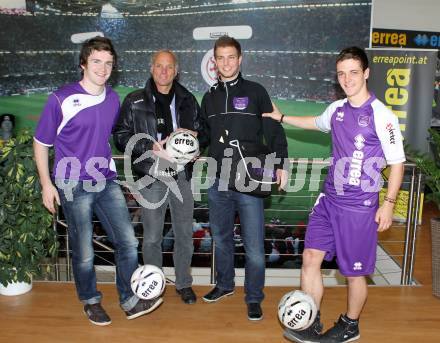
x: 254, y: 311
x: 187, y: 294
x: 216, y: 294
x: 143, y: 307
x: 310, y: 335
x: 97, y: 315
x: 345, y: 330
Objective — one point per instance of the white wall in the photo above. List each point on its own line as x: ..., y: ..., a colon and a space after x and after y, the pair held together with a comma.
x: 416, y: 15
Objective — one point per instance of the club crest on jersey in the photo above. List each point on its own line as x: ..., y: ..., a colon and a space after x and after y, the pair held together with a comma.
x: 240, y: 103
x: 340, y: 116
x: 363, y: 120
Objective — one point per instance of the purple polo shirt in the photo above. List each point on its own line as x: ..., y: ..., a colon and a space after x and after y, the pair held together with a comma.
x: 364, y: 140
x: 79, y: 126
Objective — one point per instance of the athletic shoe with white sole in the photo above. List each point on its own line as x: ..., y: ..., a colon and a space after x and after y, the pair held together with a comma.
x: 143, y: 307
x: 96, y: 314
x: 216, y: 294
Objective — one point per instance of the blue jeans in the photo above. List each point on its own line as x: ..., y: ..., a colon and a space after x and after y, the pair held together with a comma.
x: 110, y: 207
x: 222, y: 207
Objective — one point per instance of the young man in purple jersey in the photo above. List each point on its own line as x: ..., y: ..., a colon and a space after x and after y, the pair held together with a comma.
x: 77, y: 121
x: 346, y: 216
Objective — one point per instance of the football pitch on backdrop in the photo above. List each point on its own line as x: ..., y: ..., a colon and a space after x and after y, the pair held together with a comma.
x: 291, y: 207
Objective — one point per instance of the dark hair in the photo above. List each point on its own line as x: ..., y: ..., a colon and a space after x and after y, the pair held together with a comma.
x: 97, y: 43
x: 226, y: 41
x: 354, y: 53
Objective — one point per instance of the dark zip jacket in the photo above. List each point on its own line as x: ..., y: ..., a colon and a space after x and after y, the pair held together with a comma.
x: 232, y: 110
x: 137, y: 115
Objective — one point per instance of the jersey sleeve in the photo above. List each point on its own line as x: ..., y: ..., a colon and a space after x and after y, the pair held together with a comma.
x: 390, y: 136
x: 323, y: 121
x: 50, y: 119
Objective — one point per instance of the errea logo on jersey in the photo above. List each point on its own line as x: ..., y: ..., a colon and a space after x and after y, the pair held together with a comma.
x: 340, y: 116
x: 357, y: 159
x: 76, y: 103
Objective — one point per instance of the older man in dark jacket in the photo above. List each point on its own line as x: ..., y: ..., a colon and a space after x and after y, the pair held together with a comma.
x: 156, y: 111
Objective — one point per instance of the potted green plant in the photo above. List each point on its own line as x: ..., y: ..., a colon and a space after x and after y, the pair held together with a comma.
x: 430, y: 167
x: 27, y: 236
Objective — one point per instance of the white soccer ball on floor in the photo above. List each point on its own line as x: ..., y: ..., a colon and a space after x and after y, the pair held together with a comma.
x: 148, y: 282
x: 182, y: 146
x: 297, y: 310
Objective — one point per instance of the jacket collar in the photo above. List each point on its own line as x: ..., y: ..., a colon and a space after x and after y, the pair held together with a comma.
x: 229, y: 84
x: 179, y: 91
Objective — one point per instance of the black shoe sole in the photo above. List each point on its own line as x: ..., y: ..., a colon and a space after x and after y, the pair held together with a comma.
x: 292, y: 338
x: 191, y: 302
x: 352, y: 339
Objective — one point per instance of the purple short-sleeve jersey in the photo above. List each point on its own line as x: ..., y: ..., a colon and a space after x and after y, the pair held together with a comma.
x: 364, y: 140
x: 79, y: 126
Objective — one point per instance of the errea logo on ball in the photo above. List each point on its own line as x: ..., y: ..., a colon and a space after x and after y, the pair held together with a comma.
x: 183, y: 141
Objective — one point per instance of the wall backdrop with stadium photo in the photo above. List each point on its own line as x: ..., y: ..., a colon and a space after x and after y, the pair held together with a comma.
x: 289, y: 46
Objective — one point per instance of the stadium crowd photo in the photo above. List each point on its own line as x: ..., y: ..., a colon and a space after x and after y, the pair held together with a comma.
x: 196, y: 170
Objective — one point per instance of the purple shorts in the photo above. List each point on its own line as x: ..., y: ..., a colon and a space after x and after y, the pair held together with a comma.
x: 348, y: 234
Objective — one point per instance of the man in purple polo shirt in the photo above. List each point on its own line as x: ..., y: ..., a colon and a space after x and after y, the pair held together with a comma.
x: 77, y: 121
x: 346, y: 216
